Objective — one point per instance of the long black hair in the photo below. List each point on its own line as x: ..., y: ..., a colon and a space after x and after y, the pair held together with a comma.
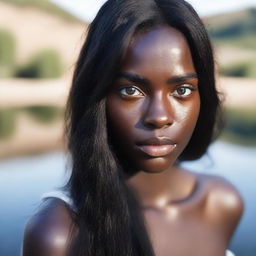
x: 108, y: 217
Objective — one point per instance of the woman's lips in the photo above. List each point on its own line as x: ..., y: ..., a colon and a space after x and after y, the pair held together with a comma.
x: 157, y: 147
x: 157, y: 150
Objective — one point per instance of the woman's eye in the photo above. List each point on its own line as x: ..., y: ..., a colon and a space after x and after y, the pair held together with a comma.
x: 183, y: 91
x: 131, y: 91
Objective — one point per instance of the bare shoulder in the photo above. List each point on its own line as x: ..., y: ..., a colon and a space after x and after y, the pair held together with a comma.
x: 48, y: 231
x: 223, y: 202
x: 223, y: 194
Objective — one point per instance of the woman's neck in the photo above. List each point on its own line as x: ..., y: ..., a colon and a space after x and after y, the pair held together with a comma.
x: 159, y: 190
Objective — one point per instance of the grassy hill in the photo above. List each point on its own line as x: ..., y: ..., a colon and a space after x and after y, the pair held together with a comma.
x: 44, y: 5
x: 39, y: 25
x: 47, y: 25
x: 234, y: 38
x: 234, y: 29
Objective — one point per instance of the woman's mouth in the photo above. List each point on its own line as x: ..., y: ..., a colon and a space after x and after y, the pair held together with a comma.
x: 157, y: 150
x: 157, y: 147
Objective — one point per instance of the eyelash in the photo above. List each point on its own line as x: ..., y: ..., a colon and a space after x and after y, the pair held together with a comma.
x: 141, y: 94
x: 131, y: 87
x: 187, y: 87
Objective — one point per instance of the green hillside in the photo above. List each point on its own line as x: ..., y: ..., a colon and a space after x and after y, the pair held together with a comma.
x: 236, y: 28
x: 45, y: 5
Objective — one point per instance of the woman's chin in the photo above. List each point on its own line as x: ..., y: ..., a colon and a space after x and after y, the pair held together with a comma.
x: 156, y: 165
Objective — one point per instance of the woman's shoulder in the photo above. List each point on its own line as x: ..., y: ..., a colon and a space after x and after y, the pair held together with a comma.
x: 223, y: 203
x: 222, y: 193
x: 48, y: 232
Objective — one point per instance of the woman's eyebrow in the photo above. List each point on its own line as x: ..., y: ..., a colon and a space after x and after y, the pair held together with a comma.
x: 180, y: 79
x: 135, y: 78
x: 138, y: 79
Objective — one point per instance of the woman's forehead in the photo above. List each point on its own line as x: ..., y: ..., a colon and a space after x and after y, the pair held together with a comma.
x: 159, y: 49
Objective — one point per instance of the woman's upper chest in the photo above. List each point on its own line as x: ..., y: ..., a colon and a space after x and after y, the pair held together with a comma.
x: 177, y: 231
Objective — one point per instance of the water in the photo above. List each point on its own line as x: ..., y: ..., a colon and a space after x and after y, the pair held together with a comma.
x: 23, y: 180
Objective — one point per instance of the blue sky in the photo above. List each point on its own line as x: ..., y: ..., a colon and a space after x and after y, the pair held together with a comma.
x: 87, y: 9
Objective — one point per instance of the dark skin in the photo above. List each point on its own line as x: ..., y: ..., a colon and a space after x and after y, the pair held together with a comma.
x: 152, y: 110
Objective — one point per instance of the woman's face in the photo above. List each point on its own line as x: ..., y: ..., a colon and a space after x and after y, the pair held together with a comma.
x: 154, y: 103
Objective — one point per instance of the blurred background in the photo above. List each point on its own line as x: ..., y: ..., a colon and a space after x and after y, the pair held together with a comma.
x: 39, y: 44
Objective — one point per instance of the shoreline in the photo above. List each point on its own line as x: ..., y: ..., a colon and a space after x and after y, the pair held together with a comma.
x: 32, y: 137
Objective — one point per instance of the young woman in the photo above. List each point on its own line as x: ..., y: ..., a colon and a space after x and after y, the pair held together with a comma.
x: 143, y: 99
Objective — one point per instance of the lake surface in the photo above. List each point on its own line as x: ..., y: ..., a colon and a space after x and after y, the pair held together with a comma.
x: 24, y: 180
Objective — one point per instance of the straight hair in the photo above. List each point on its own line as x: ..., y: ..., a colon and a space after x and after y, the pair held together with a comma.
x: 108, y: 215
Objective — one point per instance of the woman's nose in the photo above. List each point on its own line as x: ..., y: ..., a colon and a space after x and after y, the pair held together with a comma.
x: 159, y: 112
